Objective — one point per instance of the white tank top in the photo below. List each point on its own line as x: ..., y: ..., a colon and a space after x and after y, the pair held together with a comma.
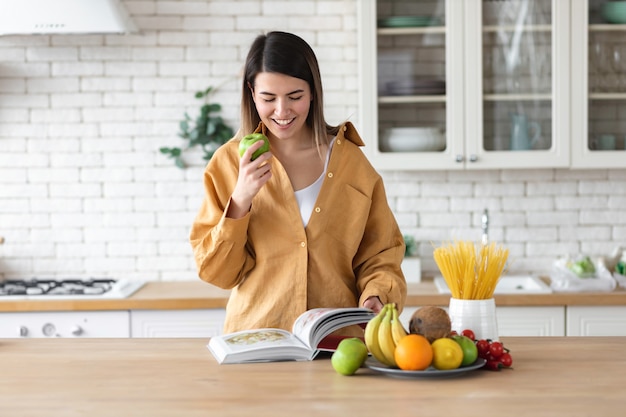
x: 307, y: 196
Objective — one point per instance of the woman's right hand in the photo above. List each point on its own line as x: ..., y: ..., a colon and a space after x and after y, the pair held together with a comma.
x: 252, y: 176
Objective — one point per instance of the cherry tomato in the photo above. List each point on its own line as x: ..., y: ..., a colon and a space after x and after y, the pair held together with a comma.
x: 483, y: 348
x: 468, y: 333
x: 506, y: 359
x: 496, y: 349
x: 453, y: 333
x: 493, y: 365
x: 490, y: 357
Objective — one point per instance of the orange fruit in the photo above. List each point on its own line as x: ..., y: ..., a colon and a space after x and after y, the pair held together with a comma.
x: 413, y: 353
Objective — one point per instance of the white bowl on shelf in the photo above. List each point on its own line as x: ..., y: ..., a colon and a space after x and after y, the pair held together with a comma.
x: 413, y: 139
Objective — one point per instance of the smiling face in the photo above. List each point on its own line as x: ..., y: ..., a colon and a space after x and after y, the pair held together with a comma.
x: 283, y: 104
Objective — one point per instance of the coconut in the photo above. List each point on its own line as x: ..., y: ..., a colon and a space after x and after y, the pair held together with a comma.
x: 431, y: 322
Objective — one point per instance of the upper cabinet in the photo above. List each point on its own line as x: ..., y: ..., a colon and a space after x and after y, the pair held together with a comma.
x: 598, y: 84
x: 482, y: 84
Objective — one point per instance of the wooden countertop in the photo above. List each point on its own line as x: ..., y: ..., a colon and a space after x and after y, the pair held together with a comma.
x: 552, y: 376
x: 186, y: 295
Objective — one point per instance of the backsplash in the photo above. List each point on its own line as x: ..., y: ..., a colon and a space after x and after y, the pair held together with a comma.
x: 84, y: 190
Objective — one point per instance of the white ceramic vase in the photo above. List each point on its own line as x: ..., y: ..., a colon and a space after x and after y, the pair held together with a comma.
x: 476, y: 315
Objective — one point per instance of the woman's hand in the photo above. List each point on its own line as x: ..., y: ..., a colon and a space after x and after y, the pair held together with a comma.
x: 373, y: 303
x: 252, y: 176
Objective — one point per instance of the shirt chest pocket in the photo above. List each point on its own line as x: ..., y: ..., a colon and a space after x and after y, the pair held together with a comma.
x: 350, y: 212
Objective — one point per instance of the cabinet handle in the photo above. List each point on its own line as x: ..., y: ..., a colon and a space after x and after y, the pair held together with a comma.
x: 48, y: 329
x: 77, y: 330
x: 459, y: 158
x: 473, y: 158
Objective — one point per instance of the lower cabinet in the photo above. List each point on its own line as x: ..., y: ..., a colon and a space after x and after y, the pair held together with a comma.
x: 205, y: 323
x: 596, y: 321
x: 202, y: 323
x: 518, y: 321
x: 75, y: 324
x: 531, y: 321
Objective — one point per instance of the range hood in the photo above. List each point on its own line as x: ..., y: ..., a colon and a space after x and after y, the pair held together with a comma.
x: 31, y: 17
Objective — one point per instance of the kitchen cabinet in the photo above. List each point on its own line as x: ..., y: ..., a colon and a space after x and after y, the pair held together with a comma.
x: 518, y: 94
x: 202, y: 323
x: 598, y: 88
x: 596, y: 320
x: 65, y: 324
x: 518, y: 321
x: 531, y: 321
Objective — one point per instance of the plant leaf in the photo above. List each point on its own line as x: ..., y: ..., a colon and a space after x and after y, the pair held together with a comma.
x: 214, y: 107
x: 207, y: 130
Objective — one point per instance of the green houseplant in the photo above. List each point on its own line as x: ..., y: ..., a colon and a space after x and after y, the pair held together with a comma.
x: 208, y: 130
x: 410, y: 246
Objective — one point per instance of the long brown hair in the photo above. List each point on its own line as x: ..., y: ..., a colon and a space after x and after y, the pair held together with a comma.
x: 288, y: 54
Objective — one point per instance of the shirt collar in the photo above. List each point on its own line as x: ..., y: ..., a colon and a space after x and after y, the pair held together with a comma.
x: 347, y: 131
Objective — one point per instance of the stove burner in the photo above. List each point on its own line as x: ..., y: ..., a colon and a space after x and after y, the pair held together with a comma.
x: 43, y: 287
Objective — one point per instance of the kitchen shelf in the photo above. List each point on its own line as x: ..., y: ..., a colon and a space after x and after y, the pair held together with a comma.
x: 423, y: 30
x: 606, y: 27
x: 517, y: 97
x: 514, y: 28
x: 411, y: 99
x: 607, y: 96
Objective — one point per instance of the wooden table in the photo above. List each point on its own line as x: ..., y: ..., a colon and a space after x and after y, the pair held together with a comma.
x: 552, y: 376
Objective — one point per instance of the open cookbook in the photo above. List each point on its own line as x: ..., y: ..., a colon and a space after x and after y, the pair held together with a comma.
x: 303, y: 343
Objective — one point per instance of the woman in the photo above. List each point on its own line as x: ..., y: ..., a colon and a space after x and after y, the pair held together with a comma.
x: 304, y: 225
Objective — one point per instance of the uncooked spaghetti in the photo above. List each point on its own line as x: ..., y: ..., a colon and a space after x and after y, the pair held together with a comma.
x: 471, y: 276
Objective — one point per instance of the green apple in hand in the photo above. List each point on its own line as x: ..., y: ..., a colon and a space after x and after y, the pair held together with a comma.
x: 349, y: 356
x: 248, y: 140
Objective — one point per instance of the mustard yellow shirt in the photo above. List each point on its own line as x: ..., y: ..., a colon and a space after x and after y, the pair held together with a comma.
x: 350, y: 250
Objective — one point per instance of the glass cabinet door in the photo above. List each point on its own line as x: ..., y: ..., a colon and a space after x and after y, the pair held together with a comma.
x: 415, y: 114
x: 517, y: 104
x: 465, y: 84
x: 411, y: 81
x: 599, y: 69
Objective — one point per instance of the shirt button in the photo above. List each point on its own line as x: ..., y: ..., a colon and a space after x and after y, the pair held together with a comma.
x: 338, y: 141
x: 317, y: 209
x: 330, y: 175
x: 302, y: 244
x: 345, y: 128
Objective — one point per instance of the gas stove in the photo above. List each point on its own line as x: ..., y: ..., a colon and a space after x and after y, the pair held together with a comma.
x: 68, y: 288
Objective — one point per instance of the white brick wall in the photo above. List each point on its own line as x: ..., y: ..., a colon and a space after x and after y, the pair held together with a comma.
x: 85, y: 192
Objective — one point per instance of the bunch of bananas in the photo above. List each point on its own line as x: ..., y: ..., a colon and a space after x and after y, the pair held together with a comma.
x: 383, y: 333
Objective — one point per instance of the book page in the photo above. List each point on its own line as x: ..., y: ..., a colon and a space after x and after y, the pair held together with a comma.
x: 313, y: 325
x: 258, y: 339
x: 257, y: 345
x: 305, y: 324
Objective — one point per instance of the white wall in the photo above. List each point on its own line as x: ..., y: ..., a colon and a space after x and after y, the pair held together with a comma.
x: 84, y: 190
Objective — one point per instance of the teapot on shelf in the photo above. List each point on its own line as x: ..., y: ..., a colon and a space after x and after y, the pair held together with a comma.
x: 520, y: 133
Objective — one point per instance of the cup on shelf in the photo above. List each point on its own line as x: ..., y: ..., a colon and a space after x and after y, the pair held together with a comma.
x: 604, y: 143
x: 521, y: 139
